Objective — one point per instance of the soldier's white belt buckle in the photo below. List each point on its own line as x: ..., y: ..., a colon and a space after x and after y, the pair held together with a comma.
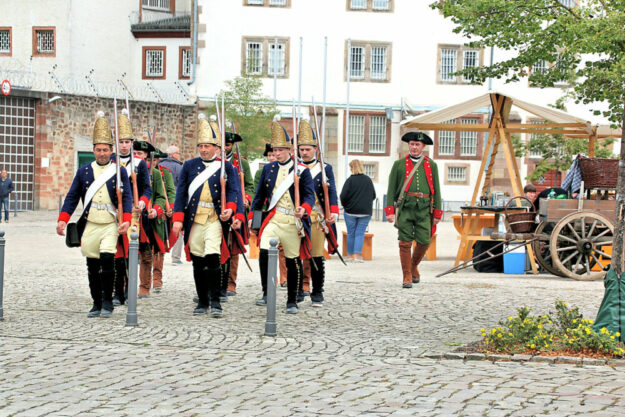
x: 284, y: 210
x: 206, y: 205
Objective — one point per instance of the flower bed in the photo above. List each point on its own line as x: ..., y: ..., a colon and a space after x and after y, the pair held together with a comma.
x: 566, y: 332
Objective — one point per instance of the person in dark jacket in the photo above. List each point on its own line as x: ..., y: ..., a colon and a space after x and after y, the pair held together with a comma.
x: 173, y: 163
x: 357, y: 198
x: 6, y: 188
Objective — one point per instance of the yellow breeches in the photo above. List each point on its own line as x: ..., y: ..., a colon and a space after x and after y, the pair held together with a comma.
x: 286, y: 233
x: 98, y: 238
x: 205, y: 239
x: 317, y: 240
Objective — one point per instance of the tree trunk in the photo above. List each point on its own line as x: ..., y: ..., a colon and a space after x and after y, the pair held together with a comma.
x: 619, y: 225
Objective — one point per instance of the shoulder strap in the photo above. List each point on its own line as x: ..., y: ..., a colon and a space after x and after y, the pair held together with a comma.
x: 408, y: 179
x: 201, y: 178
x: 98, y: 183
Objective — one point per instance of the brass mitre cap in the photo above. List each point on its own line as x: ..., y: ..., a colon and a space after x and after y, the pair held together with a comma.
x: 279, y: 137
x: 101, y: 130
x: 207, y: 132
x: 123, y: 123
x: 306, y: 135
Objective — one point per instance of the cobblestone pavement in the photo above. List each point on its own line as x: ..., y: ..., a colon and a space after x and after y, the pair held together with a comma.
x: 361, y: 354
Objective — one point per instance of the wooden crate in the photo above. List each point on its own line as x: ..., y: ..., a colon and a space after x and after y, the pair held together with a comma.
x: 554, y: 209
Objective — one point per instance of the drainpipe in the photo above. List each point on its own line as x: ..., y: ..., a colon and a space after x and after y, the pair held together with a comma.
x: 194, y: 42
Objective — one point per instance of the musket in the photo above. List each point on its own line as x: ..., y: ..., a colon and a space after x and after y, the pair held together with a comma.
x: 133, y: 174
x: 223, y: 176
x: 324, y: 180
x: 295, y: 170
x: 118, y: 188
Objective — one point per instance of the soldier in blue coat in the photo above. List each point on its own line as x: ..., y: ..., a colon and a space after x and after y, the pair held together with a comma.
x: 205, y: 219
x: 141, y: 178
x: 95, y: 184
x: 285, y: 220
x: 322, y: 228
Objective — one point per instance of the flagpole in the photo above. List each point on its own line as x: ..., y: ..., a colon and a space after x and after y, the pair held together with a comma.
x: 349, y: 75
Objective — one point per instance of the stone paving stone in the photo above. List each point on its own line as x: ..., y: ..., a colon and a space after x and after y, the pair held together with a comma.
x: 521, y: 358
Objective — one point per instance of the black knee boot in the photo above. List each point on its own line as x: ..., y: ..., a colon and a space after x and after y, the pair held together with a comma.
x: 317, y: 276
x: 95, y: 286
x: 263, y: 265
x: 223, y: 284
x: 201, y: 284
x: 293, y: 278
x: 107, y: 275
x: 121, y: 280
x: 213, y: 272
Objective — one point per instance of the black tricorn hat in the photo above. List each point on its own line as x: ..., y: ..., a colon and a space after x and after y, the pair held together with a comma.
x: 417, y: 136
x: 160, y: 154
x: 233, y: 137
x: 142, y: 145
x: 268, y: 149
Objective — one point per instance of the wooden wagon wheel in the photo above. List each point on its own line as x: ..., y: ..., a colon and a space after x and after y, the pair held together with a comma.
x: 541, y: 248
x: 578, y: 241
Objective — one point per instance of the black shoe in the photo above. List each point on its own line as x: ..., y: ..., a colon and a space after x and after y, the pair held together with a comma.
x: 262, y: 301
x: 196, y: 299
x: 231, y: 293
x: 216, y: 312
x: 117, y: 301
x: 200, y: 310
x: 291, y: 308
x: 317, y: 300
x: 415, y: 280
x: 94, y: 312
x: 300, y: 296
x: 407, y: 285
x: 223, y: 298
x: 107, y: 309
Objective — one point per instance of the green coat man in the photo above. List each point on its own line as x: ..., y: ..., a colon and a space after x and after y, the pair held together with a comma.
x: 415, y: 208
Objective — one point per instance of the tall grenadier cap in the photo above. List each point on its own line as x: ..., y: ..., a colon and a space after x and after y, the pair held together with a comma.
x: 306, y: 134
x: 101, y: 130
x: 279, y: 137
x: 125, y: 128
x: 207, y: 132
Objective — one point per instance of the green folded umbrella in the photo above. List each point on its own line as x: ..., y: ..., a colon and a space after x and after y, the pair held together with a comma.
x: 611, y: 314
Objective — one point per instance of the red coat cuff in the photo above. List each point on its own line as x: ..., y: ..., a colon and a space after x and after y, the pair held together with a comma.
x: 389, y: 210
x: 334, y: 209
x: 307, y: 208
x: 64, y: 217
x: 232, y: 206
x: 438, y: 214
x: 145, y: 200
x: 159, y: 211
x: 127, y: 217
x: 178, y: 216
x: 250, y: 216
x: 240, y: 217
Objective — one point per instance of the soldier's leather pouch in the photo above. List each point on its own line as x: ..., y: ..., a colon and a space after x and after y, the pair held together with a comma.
x: 258, y: 216
x: 71, y: 235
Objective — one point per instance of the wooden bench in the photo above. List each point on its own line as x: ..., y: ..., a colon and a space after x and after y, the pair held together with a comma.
x: 367, y: 246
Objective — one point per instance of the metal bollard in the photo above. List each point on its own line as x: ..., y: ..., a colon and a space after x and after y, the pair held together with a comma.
x: 133, y: 264
x: 272, y: 272
x: 1, y: 273
x: 14, y: 206
x: 60, y: 203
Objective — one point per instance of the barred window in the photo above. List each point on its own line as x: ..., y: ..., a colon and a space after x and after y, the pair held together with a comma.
x: 377, y: 134
x: 371, y: 170
x: 469, y: 60
x: 568, y: 3
x: 186, y: 63
x: 456, y: 174
x: 157, y: 4
x: 468, y: 140
x: 276, y: 59
x: 448, y: 64
x: 381, y: 4
x: 254, y: 61
x: 358, y: 4
x: 356, y: 139
x: 45, y: 41
x: 540, y: 66
x: 358, y: 62
x: 154, y: 62
x: 5, y: 41
x: 378, y: 62
x: 534, y: 136
x: 447, y: 140
x: 277, y: 2
x: 255, y: 2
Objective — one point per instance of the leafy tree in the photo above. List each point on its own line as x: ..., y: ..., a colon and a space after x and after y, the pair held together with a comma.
x: 584, y: 41
x: 250, y: 111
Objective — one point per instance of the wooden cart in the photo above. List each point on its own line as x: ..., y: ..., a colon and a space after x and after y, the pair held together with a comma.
x: 575, y: 237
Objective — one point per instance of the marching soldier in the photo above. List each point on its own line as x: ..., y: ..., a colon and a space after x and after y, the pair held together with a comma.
x: 232, y: 266
x: 140, y: 184
x: 95, y: 183
x: 322, y: 227
x: 284, y: 221
x: 169, y: 240
x: 205, y: 217
x: 416, y: 209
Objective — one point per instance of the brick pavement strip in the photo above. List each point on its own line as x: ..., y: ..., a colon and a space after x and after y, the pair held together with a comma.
x: 374, y: 349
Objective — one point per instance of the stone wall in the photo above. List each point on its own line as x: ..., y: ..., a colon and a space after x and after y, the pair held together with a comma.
x: 65, y: 127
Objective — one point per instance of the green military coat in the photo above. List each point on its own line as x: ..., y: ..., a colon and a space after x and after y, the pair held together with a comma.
x: 416, y: 213
x: 162, y: 183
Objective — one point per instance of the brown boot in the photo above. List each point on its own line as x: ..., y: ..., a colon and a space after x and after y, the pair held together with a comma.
x: 306, y: 266
x: 404, y: 257
x: 234, y: 268
x: 417, y: 257
x: 157, y: 271
x: 282, y: 264
x: 145, y: 273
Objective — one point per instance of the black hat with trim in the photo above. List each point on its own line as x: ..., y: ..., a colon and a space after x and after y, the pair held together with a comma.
x: 268, y: 149
x: 142, y: 145
x: 418, y: 137
x: 233, y: 137
x: 160, y: 154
